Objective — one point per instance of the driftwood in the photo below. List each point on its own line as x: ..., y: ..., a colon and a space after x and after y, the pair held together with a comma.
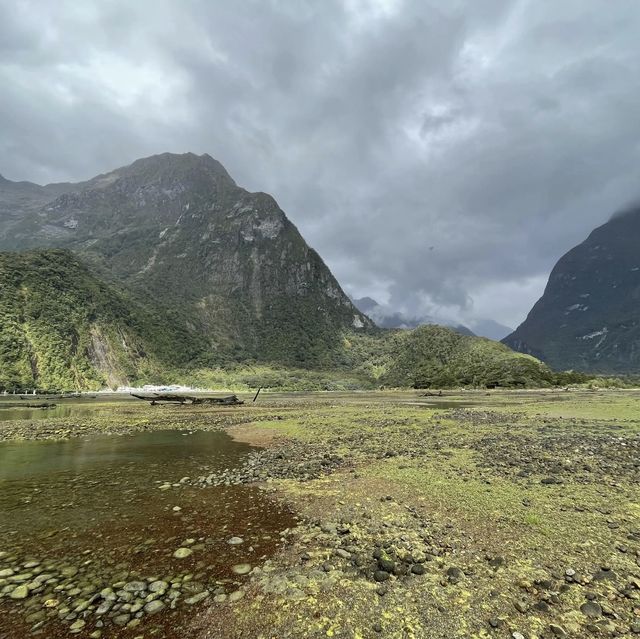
x: 155, y: 398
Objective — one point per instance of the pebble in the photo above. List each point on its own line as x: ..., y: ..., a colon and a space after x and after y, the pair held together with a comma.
x: 20, y: 592
x: 182, y: 553
x: 241, y: 569
x: 591, y: 609
x: 158, y: 586
x: 235, y: 541
x: 154, y: 606
x: 122, y: 620
x: 197, y: 598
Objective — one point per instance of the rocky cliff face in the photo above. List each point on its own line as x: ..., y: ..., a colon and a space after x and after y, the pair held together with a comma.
x: 223, y: 263
x: 589, y: 316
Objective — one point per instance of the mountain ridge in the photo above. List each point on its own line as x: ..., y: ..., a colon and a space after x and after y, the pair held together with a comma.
x: 587, y: 318
x: 227, y: 262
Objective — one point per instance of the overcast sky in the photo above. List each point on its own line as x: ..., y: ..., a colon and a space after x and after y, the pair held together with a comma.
x: 441, y: 156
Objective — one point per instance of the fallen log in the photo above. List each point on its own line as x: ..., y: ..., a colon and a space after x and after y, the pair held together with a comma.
x: 231, y: 400
x: 155, y: 398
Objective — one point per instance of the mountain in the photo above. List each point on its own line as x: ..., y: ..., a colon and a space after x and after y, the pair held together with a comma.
x: 438, y: 357
x: 212, y: 259
x: 386, y: 317
x: 490, y: 328
x: 17, y: 199
x: 588, y: 318
x: 62, y: 328
x: 166, y: 269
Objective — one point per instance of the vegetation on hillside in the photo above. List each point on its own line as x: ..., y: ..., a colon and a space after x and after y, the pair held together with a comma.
x: 439, y: 357
x: 61, y: 328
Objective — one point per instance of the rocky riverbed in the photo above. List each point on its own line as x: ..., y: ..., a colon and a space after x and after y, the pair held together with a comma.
x: 518, y: 518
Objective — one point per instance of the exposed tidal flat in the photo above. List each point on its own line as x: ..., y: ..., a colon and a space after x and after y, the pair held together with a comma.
x: 509, y: 514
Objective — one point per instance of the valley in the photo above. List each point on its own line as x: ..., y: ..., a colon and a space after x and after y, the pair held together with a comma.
x: 475, y: 514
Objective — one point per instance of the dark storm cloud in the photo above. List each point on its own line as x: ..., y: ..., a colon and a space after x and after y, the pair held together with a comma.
x: 440, y: 156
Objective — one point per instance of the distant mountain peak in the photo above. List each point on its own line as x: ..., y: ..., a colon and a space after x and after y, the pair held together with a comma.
x: 187, y: 170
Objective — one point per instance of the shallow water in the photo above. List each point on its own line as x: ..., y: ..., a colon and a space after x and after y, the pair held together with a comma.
x: 96, y: 504
x: 59, y: 410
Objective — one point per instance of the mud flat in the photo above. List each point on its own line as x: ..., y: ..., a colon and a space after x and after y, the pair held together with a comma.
x: 503, y: 515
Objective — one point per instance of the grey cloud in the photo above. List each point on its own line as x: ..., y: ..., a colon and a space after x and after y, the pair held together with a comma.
x: 440, y: 156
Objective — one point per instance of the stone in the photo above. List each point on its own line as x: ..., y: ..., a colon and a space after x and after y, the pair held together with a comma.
x: 591, y: 609
x: 381, y: 575
x: 158, y: 586
x: 236, y: 596
x: 153, y: 607
x: 235, y: 541
x: 20, y: 592
x: 104, y: 607
x: 241, y: 569
x: 107, y: 593
x: 135, y: 586
x: 77, y: 625
x: 201, y: 596
x: 386, y: 564
x: 454, y: 574
x: 69, y: 571
x: 122, y: 620
x: 182, y: 553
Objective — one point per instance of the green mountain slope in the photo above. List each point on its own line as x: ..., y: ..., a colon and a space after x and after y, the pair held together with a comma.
x: 62, y: 328
x: 588, y: 318
x: 226, y: 264
x: 439, y: 357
